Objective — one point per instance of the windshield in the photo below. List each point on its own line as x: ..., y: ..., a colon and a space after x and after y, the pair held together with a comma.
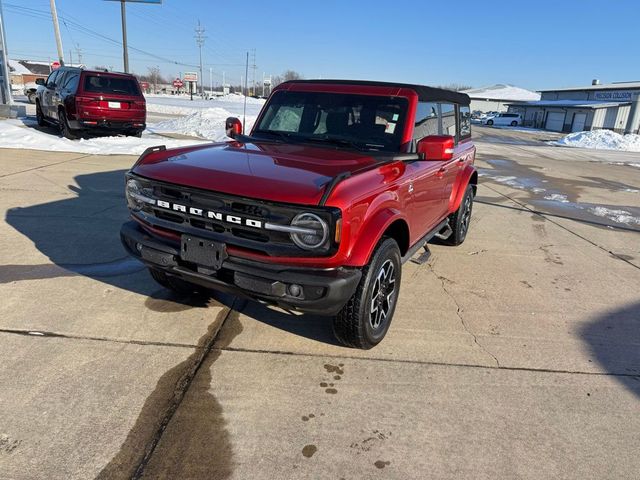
x: 366, y: 122
x: 108, y: 84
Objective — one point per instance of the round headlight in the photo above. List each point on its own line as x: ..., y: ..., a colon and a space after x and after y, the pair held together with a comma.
x: 137, y: 195
x: 313, y: 231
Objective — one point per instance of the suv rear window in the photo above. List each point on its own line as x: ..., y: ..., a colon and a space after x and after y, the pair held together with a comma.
x: 108, y: 84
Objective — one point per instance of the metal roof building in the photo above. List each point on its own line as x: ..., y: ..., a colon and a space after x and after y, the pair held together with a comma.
x: 497, y: 97
x: 611, y: 106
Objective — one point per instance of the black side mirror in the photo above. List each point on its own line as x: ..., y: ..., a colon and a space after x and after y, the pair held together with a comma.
x: 39, y: 81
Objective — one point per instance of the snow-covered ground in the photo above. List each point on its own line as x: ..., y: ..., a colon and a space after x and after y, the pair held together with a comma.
x: 202, y: 119
x: 21, y: 134
x: 601, y: 140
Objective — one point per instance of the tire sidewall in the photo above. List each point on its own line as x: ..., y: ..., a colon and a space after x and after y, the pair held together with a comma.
x: 468, y: 194
x: 490, y: 122
x: 39, y: 114
x: 388, y: 250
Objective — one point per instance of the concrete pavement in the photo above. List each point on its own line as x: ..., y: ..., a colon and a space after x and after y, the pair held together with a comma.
x: 515, y: 355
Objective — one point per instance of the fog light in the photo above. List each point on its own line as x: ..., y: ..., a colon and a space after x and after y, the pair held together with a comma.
x: 295, y: 290
x: 139, y: 247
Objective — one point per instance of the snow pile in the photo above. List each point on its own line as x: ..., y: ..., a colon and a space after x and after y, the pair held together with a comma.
x: 602, y: 140
x: 619, y: 216
x: 502, y: 92
x: 14, y: 134
x: 206, y: 123
x: 183, y: 105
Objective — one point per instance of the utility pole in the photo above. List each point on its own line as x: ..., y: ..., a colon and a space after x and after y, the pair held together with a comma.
x: 56, y: 31
x: 244, y: 110
x: 199, y: 36
x: 79, y: 53
x: 253, y: 88
x: 5, y: 84
x: 210, y: 80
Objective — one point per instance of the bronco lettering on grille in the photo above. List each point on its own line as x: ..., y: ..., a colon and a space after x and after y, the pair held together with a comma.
x: 222, y: 217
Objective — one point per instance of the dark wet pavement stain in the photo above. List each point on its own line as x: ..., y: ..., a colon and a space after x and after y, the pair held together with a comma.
x: 381, y: 464
x: 559, y: 196
x: 196, y: 446
x: 309, y: 450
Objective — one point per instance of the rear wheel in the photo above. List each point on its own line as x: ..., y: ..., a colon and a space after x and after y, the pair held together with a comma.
x: 135, y: 133
x: 39, y: 115
x: 172, y: 283
x: 489, y: 122
x: 32, y: 97
x: 514, y: 123
x: 460, y: 220
x: 64, y: 126
x: 364, y: 321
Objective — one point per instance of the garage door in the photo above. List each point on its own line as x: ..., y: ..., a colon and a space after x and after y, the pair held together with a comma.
x: 579, y: 119
x: 555, y: 121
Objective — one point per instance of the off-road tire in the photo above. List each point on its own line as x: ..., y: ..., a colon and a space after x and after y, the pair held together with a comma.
x: 353, y: 326
x: 40, y: 115
x: 460, y: 220
x: 64, y: 126
x: 172, y: 283
x: 514, y: 124
x: 135, y: 133
x: 489, y: 122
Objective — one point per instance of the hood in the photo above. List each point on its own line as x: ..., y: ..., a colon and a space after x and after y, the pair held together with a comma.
x: 278, y: 172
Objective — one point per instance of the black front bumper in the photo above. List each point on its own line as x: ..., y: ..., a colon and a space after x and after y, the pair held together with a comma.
x: 323, y: 291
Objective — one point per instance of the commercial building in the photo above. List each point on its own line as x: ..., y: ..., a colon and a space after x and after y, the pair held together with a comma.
x: 496, y: 98
x: 611, y: 106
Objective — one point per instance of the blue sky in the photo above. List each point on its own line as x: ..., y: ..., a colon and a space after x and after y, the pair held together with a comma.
x: 469, y: 42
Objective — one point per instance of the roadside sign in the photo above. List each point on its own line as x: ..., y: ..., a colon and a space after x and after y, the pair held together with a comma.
x: 55, y: 65
x: 177, y: 83
x: 190, y: 77
x: 144, y: 85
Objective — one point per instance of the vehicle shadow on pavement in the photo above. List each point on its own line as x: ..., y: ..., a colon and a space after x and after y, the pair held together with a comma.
x: 80, y: 235
x: 614, y: 341
x: 313, y: 327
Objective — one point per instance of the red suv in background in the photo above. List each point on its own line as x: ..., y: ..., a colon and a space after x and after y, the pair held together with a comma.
x: 80, y: 101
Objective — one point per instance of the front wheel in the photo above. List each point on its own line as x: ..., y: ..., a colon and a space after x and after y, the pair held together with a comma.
x: 461, y: 218
x: 489, y: 122
x: 39, y: 115
x: 32, y: 98
x: 364, y: 321
x: 514, y: 123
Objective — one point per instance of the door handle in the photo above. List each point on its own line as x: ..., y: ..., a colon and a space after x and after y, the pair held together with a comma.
x: 460, y: 163
x: 440, y: 173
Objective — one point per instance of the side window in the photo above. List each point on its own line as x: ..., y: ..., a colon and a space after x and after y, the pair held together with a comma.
x: 448, y: 111
x: 71, y: 82
x: 52, y: 79
x: 465, y: 122
x: 427, y: 120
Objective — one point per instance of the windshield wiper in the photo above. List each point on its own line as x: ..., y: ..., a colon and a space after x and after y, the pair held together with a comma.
x: 285, y: 136
x: 341, y: 142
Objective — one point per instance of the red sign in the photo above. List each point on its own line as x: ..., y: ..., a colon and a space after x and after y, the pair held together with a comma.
x: 55, y: 65
x: 144, y: 85
x: 178, y: 83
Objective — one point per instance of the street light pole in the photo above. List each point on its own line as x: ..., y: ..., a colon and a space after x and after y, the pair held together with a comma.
x: 125, y: 51
x: 56, y: 31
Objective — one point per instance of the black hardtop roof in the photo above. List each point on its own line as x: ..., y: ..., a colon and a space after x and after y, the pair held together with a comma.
x: 94, y: 71
x: 425, y: 94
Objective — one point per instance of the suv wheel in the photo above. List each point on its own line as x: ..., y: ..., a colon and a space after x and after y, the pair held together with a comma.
x: 172, y: 283
x: 39, y: 115
x: 364, y: 320
x: 489, y: 122
x: 461, y: 218
x: 32, y: 97
x: 514, y: 123
x: 64, y: 127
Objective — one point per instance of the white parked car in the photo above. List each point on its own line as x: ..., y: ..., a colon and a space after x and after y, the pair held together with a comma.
x: 511, y: 119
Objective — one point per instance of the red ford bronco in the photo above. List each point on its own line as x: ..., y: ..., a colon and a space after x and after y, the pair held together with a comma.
x: 337, y: 185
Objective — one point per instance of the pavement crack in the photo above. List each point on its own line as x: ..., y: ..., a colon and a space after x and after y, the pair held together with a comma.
x: 459, y: 311
x: 47, y: 334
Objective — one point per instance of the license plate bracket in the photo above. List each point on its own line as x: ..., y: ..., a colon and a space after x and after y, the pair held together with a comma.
x: 202, y: 251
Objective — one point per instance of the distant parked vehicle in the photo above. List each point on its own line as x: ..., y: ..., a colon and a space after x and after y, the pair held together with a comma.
x: 511, y: 119
x: 79, y: 101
